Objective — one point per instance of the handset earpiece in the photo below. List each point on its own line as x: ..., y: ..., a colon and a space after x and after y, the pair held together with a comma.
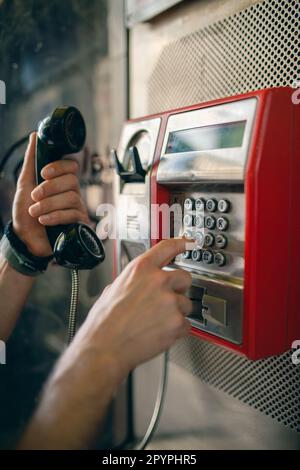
x: 75, y: 246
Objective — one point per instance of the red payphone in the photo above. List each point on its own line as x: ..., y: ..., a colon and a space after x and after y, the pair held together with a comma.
x: 233, y: 165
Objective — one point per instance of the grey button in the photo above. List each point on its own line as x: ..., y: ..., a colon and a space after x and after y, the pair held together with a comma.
x: 189, y: 204
x: 222, y: 223
x: 209, y: 239
x: 210, y: 222
x: 211, y: 205
x: 196, y: 255
x: 207, y: 257
x: 188, y: 220
x: 188, y: 234
x: 223, y: 205
x: 186, y: 255
x: 200, y: 204
x: 199, y: 221
x: 220, y: 259
x: 199, y: 239
x: 221, y: 241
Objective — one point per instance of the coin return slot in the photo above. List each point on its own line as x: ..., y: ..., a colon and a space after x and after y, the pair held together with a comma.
x: 196, y: 295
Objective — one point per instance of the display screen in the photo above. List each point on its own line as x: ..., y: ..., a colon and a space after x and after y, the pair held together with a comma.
x: 218, y: 136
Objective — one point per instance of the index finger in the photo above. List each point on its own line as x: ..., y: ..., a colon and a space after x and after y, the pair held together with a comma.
x: 59, y: 168
x: 162, y: 253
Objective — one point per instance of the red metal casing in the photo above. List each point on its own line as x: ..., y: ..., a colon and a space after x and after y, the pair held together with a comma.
x: 272, y: 233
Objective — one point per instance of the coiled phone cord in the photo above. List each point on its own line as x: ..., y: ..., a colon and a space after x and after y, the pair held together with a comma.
x: 73, y: 305
x: 159, y: 404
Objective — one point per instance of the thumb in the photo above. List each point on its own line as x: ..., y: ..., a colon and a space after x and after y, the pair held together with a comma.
x: 27, y: 175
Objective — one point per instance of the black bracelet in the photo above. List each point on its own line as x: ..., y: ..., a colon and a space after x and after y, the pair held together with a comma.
x: 18, y: 255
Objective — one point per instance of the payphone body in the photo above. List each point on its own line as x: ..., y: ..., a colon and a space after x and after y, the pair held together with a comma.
x: 133, y: 224
x: 233, y: 165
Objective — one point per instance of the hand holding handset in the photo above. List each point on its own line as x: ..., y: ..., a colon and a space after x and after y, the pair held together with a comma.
x: 75, y: 246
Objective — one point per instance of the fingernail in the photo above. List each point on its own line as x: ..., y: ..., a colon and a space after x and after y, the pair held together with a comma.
x: 37, y: 193
x: 44, y: 219
x: 47, y: 172
x: 34, y: 210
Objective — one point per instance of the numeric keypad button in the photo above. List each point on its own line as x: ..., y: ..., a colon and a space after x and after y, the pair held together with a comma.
x: 222, y: 223
x: 196, y: 255
x: 221, y: 241
x: 220, y: 259
x: 211, y: 205
x: 210, y: 222
x: 186, y: 255
x: 188, y: 220
x: 223, y: 205
x: 207, y: 257
x: 199, y: 221
x: 189, y: 204
x: 199, y: 239
x: 209, y: 240
x: 200, y: 204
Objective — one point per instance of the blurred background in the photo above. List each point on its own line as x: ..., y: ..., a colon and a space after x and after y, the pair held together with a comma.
x: 113, y: 60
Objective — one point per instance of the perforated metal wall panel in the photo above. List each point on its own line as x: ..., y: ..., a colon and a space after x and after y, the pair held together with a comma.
x: 254, y: 48
x: 271, y: 385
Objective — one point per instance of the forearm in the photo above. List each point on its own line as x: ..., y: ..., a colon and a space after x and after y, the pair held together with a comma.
x: 74, y: 402
x: 14, y: 290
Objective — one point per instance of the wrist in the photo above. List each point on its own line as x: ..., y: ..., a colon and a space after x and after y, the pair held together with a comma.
x: 18, y: 256
x: 34, y: 246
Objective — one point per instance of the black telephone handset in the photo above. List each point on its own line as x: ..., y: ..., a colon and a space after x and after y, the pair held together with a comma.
x: 75, y: 246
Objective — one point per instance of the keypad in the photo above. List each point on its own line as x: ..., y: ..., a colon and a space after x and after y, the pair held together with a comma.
x: 205, y: 221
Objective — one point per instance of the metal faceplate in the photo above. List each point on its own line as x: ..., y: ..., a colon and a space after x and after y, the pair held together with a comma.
x: 221, y: 310
x: 133, y: 199
x: 216, y: 177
